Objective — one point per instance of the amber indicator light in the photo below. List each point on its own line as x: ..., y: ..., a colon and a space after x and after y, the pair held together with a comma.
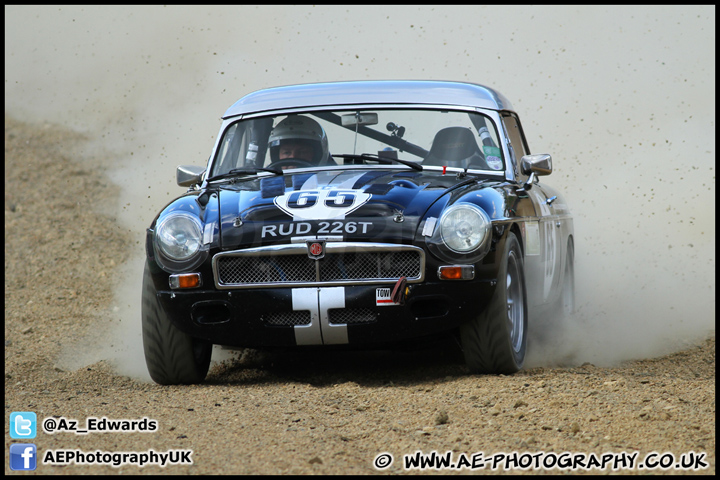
x: 188, y: 280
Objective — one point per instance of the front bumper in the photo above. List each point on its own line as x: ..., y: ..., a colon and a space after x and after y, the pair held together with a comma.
x: 282, y: 317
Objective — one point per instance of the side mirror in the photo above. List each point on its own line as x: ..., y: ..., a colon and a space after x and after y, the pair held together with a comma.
x: 540, y: 164
x: 188, y: 175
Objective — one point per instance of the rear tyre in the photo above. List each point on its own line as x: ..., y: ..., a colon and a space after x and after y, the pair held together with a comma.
x: 172, y: 356
x: 496, y: 341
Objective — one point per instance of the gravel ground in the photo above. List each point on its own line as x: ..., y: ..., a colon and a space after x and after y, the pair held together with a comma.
x: 285, y: 414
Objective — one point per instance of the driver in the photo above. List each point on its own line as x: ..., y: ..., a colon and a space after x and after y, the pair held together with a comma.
x: 298, y: 141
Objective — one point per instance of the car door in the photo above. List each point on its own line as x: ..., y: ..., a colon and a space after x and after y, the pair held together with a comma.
x: 550, y: 241
x: 542, y: 252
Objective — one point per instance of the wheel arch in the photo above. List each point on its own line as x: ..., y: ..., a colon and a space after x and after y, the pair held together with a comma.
x: 515, y: 228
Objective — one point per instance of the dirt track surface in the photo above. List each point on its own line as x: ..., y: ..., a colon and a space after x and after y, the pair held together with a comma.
x: 292, y: 414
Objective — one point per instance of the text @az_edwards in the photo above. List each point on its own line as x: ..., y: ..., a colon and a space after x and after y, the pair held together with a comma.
x: 52, y: 425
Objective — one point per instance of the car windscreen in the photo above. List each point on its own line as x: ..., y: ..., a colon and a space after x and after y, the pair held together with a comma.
x: 464, y: 139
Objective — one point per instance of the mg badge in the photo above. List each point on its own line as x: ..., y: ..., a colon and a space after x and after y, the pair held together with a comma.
x: 316, y: 249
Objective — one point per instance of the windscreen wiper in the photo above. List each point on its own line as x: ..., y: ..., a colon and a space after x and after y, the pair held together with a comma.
x: 378, y: 158
x: 244, y: 171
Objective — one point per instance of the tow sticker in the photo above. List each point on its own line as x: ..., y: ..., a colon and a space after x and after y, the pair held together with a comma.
x: 383, y: 297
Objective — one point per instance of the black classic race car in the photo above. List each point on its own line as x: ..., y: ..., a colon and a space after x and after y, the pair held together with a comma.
x: 358, y: 213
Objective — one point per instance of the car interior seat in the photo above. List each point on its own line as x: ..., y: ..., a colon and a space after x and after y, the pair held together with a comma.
x: 455, y: 147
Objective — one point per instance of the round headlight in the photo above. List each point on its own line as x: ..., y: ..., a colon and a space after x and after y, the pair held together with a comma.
x: 179, y: 236
x: 464, y: 228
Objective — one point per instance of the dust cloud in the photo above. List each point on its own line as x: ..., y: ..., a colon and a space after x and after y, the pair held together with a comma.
x: 623, y: 97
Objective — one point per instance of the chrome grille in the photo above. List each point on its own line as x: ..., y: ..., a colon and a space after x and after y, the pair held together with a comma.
x: 249, y: 270
x: 367, y: 265
x: 343, y: 264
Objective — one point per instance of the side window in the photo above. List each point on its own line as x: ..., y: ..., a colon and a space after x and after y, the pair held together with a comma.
x: 517, y: 140
x: 229, y: 150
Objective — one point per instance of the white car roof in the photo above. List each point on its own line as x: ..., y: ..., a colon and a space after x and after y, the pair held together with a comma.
x: 370, y: 92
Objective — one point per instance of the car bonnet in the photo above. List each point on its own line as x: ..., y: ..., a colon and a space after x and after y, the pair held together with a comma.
x: 380, y: 205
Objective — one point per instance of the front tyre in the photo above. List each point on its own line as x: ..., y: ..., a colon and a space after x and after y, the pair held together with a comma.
x: 496, y: 341
x: 172, y: 356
